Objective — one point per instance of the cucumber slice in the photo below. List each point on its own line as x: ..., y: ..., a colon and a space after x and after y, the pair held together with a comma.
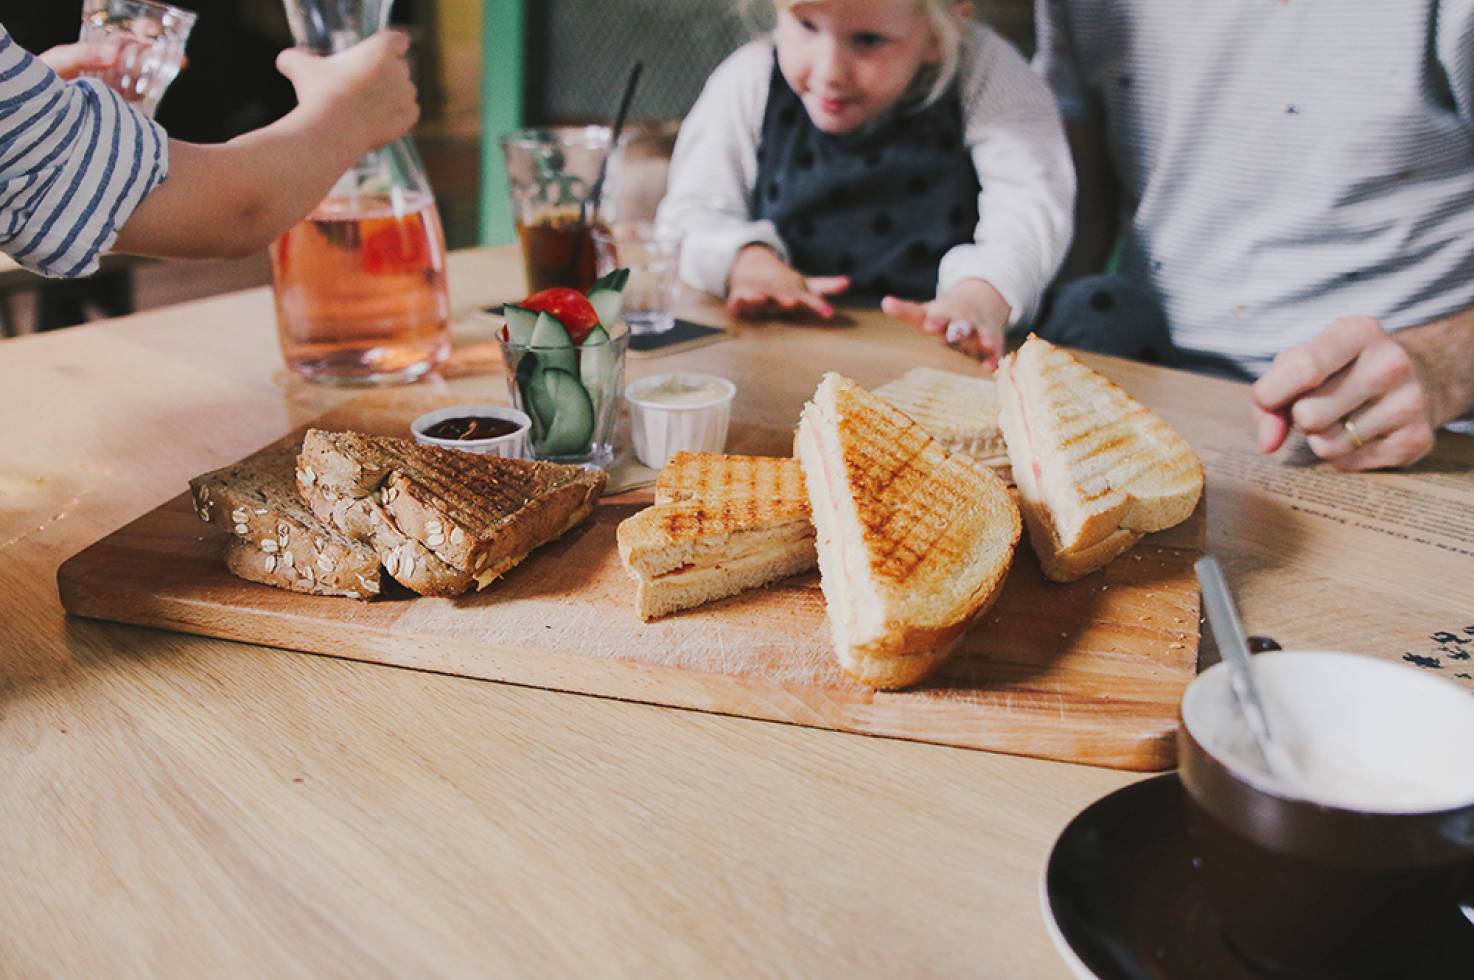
x: 607, y: 296
x: 614, y: 280
x: 595, y: 365
x: 532, y: 390
x: 520, y: 323
x: 573, y: 421
x: 552, y: 345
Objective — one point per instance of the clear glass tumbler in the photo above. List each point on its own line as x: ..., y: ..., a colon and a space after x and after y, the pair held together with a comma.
x: 550, y: 174
x: 150, y: 39
x: 654, y: 262
x: 572, y: 394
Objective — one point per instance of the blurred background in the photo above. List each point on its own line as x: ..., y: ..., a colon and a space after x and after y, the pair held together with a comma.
x: 483, y: 67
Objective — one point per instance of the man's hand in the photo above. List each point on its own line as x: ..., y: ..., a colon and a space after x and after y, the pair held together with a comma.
x: 979, y: 312
x: 762, y: 284
x: 1360, y: 394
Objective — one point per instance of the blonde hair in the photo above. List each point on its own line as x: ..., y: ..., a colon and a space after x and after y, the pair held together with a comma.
x: 945, y: 26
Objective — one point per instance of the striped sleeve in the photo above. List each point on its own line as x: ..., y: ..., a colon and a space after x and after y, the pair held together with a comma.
x: 75, y: 160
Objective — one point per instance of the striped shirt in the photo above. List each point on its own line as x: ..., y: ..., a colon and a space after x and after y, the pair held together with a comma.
x: 75, y: 160
x: 1011, y: 130
x: 1282, y: 163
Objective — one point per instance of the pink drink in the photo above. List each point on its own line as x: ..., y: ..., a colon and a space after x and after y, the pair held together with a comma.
x: 360, y: 291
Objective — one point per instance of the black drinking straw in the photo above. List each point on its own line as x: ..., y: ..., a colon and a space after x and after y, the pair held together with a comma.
x: 591, y: 203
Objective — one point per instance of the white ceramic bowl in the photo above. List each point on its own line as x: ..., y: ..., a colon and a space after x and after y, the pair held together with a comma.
x: 660, y: 429
x: 512, y: 445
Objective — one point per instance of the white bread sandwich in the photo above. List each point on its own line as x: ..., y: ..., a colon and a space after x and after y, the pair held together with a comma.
x: 1095, y: 468
x: 720, y: 525
x: 914, y: 542
x: 958, y: 410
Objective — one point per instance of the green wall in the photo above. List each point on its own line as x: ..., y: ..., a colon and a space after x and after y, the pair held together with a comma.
x: 501, y: 110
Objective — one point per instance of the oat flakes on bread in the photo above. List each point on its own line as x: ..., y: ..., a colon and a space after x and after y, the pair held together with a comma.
x: 1096, y: 470
x: 914, y: 542
x: 454, y: 518
x: 275, y: 539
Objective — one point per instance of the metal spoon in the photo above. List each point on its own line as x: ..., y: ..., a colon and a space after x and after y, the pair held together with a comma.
x: 1224, y: 621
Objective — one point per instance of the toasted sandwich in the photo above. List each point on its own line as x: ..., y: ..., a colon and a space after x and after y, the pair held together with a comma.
x: 720, y: 525
x: 275, y: 539
x: 960, y: 411
x: 1095, y: 468
x: 440, y: 519
x: 914, y: 542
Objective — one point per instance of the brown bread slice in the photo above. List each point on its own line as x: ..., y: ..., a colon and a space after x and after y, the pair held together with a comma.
x: 914, y: 542
x: 478, y: 514
x: 276, y: 539
x: 407, y: 561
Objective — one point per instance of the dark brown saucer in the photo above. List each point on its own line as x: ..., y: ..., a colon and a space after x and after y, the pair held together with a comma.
x: 1123, y: 902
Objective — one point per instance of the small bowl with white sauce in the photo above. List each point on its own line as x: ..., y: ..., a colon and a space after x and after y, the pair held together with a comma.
x: 679, y: 412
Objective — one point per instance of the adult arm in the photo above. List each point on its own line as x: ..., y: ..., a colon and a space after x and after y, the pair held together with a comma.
x: 232, y: 199
x: 1395, y: 390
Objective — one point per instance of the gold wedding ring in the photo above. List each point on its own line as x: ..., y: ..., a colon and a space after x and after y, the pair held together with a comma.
x: 1351, y: 433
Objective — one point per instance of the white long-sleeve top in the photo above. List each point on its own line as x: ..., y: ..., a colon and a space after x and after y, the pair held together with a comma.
x: 1013, y: 134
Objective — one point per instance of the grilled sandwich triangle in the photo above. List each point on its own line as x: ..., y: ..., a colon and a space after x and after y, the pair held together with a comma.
x: 1095, y: 468
x: 914, y: 542
x: 720, y: 525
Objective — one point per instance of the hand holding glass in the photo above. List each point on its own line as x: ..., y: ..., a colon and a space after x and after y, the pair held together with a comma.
x: 150, y: 40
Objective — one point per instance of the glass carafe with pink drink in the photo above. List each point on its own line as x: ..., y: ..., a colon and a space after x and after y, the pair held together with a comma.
x: 360, y: 282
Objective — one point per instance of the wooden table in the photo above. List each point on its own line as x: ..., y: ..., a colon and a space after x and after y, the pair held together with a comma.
x: 171, y: 805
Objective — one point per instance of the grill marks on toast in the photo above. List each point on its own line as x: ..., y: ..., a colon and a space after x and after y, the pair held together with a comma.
x: 690, y: 519
x: 1101, y: 432
x: 959, y: 411
x: 901, y: 479
x: 710, y: 476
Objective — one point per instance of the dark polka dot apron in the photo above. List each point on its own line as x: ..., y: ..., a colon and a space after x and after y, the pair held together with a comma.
x: 881, y: 206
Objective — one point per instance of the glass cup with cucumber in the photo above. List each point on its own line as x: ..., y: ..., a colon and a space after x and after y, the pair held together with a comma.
x: 564, y: 353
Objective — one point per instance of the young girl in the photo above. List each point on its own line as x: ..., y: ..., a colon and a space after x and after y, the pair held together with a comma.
x: 894, y: 148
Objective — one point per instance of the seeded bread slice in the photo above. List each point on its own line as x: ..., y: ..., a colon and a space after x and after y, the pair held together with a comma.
x: 407, y: 561
x: 276, y: 539
x: 478, y: 514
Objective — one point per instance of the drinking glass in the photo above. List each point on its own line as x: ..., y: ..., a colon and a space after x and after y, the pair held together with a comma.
x: 572, y: 394
x: 150, y: 39
x: 550, y: 174
x: 654, y: 261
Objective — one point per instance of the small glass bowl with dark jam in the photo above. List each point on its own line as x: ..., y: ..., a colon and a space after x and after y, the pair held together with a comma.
x: 487, y: 429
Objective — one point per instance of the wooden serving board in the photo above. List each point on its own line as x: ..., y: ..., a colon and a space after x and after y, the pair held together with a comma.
x: 1089, y: 672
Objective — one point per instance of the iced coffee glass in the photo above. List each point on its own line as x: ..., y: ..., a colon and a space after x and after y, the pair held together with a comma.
x: 150, y: 38
x: 550, y: 174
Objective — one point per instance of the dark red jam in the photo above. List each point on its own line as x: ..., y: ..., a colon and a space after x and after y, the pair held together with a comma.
x: 471, y: 427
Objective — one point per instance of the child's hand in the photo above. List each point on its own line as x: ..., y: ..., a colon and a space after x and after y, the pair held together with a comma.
x: 362, y: 95
x: 71, y: 60
x: 970, y: 317
x: 761, y: 283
